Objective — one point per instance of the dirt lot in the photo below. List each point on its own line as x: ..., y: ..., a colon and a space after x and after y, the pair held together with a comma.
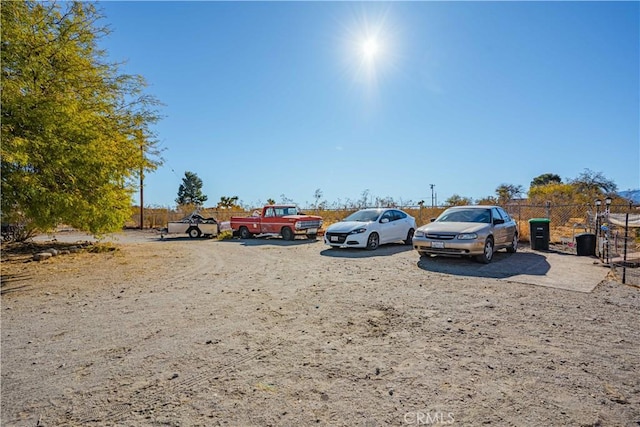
x: 266, y: 332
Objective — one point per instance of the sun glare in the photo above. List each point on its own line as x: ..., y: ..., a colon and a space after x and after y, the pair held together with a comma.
x: 370, y: 49
x: 370, y: 46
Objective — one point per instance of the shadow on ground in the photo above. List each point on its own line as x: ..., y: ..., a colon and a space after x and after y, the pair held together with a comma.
x: 384, y: 250
x: 271, y: 241
x: 502, y: 266
x: 13, y: 283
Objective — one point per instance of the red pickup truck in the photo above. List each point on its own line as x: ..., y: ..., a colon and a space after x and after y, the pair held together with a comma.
x: 277, y: 220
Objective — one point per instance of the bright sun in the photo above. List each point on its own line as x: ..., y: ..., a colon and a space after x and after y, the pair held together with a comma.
x: 370, y: 49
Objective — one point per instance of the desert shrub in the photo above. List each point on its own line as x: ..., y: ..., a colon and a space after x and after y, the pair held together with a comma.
x: 100, y: 248
x: 225, y: 235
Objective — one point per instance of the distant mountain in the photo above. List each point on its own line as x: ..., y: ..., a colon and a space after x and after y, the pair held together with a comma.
x: 633, y: 195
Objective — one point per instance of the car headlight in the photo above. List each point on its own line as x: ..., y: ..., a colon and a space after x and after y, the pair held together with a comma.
x: 467, y: 236
x: 358, y: 230
x: 419, y: 233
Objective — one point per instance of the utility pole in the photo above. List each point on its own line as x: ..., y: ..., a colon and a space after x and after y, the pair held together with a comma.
x: 142, y: 190
x: 432, y: 195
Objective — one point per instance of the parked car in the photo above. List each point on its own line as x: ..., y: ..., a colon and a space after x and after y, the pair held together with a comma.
x: 370, y: 228
x: 468, y: 231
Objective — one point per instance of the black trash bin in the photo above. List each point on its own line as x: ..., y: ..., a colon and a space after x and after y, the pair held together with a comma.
x: 539, y: 233
x: 586, y: 244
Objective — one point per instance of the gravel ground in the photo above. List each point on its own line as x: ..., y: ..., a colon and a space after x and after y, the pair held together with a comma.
x: 265, y: 332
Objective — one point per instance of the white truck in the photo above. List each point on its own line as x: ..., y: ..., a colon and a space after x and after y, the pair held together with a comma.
x: 194, y: 225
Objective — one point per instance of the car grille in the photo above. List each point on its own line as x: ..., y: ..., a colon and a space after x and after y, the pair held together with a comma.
x: 448, y: 251
x: 309, y: 224
x: 341, y: 237
x: 441, y: 236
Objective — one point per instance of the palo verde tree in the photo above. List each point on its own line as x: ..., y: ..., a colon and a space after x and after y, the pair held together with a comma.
x: 75, y: 130
x: 190, y: 191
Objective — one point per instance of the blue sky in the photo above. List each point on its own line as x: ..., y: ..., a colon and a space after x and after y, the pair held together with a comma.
x: 264, y: 99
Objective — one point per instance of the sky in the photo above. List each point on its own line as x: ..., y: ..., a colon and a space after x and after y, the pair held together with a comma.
x: 402, y: 100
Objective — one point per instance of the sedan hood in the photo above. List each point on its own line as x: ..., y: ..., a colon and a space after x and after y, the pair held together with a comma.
x: 454, y: 227
x: 346, y: 226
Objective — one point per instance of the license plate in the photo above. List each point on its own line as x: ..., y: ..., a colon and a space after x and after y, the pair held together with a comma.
x: 334, y: 238
x: 312, y: 231
x: 437, y: 245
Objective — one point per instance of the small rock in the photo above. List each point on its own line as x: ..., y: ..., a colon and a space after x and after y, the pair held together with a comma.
x: 52, y: 251
x: 42, y: 256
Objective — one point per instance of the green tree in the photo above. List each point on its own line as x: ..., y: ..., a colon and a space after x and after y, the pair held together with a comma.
x: 544, y: 179
x: 75, y: 131
x: 457, y: 200
x: 556, y: 193
x: 228, y: 202
x: 594, y: 183
x: 190, y: 191
x: 508, y: 192
x: 489, y: 200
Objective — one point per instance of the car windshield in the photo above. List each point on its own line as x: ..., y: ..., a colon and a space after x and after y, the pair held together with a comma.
x: 363, y: 216
x: 465, y: 215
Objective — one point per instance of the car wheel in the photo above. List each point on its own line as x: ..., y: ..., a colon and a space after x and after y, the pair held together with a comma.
x: 194, y: 232
x: 287, y: 234
x: 514, y: 245
x: 409, y: 239
x: 373, y: 242
x: 245, y: 233
x: 487, y: 255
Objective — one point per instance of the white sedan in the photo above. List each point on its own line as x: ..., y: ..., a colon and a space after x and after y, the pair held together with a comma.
x: 370, y: 228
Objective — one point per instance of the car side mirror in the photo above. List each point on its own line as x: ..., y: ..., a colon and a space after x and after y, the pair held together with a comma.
x: 384, y: 220
x: 498, y: 221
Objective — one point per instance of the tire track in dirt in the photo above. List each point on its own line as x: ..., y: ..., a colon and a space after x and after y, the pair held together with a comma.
x: 148, y: 398
x: 163, y: 396
x: 144, y: 399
